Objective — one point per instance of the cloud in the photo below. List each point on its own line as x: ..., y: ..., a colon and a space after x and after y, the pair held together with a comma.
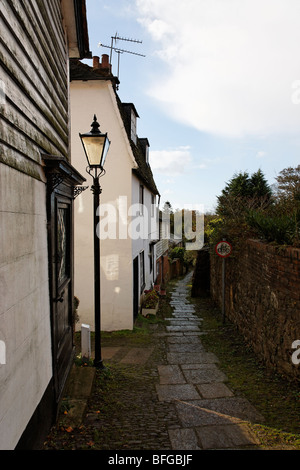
x: 261, y: 154
x: 226, y: 68
x: 171, y: 162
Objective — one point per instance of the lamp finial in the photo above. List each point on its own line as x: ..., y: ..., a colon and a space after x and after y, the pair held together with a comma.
x: 95, y: 126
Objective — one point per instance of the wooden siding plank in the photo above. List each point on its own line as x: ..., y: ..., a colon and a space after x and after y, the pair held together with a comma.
x: 20, y: 109
x: 47, y: 20
x: 35, y: 18
x: 20, y: 92
x: 35, y: 72
x: 29, y: 58
x: 20, y: 161
x: 45, y: 47
x: 17, y: 135
x: 20, y: 123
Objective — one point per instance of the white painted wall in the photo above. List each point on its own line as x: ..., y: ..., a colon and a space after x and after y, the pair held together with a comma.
x: 149, y: 228
x: 24, y: 302
x: 89, y: 98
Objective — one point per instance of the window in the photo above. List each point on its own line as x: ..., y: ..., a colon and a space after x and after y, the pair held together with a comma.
x: 152, y: 205
x: 141, y: 199
x: 62, y: 243
x: 133, y: 126
x: 142, y: 271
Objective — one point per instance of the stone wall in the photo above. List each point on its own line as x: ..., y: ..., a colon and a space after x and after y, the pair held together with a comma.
x: 262, y: 297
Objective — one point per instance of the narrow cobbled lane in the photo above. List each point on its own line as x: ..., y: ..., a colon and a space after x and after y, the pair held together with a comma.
x: 210, y: 417
x: 164, y: 392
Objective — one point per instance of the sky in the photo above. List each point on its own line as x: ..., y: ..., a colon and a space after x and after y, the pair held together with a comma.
x: 217, y: 93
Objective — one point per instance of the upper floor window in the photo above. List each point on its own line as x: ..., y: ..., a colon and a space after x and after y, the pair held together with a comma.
x: 131, y: 120
x: 147, y: 154
x: 141, y: 199
x: 153, y: 205
x: 144, y: 145
x: 133, y: 126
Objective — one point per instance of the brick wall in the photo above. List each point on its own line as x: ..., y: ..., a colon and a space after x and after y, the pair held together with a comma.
x: 263, y: 300
x: 167, y: 270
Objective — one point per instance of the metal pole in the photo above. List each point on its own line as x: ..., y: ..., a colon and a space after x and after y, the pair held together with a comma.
x: 98, y: 359
x: 223, y: 289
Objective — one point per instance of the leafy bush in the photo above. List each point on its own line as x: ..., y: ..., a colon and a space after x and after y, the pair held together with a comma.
x: 281, y: 228
x: 150, y: 299
x: 248, y: 208
x: 177, y: 252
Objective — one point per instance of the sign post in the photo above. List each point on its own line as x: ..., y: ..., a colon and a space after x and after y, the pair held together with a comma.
x: 223, y: 249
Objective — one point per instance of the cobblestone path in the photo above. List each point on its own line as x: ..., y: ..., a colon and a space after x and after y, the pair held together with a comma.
x: 210, y: 417
x: 164, y: 394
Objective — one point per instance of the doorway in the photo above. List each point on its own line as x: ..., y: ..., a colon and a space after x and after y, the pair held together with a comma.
x: 62, y: 179
x: 135, y: 287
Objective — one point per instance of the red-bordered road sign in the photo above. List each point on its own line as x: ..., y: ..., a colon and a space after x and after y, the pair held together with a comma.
x: 223, y: 249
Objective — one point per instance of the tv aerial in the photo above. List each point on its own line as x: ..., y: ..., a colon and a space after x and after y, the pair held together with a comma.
x: 118, y: 50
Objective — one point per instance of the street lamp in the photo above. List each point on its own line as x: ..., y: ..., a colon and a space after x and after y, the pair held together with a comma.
x: 96, y: 146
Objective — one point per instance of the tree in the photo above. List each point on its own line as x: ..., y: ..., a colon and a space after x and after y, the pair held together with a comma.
x: 288, y: 185
x: 244, y: 192
x: 259, y: 187
x: 280, y: 223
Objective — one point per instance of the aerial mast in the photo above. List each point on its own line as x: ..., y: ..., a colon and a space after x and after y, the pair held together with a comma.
x: 118, y: 50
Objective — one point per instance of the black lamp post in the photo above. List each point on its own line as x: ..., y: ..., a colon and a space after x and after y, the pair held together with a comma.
x: 96, y: 146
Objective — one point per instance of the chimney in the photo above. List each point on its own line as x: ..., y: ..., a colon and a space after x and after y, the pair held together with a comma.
x: 105, y: 63
x: 96, y: 64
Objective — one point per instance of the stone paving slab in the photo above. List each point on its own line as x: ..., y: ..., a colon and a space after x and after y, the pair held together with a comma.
x: 184, y: 439
x: 195, y: 333
x: 180, y: 313
x: 183, y: 310
x: 198, y: 365
x: 183, y: 306
x: 185, y: 317
x: 178, y: 308
x: 204, y: 375
x: 228, y: 436
x: 214, y: 390
x: 186, y: 347
x: 191, y: 358
x: 170, y: 374
x: 186, y: 328
x: 193, y: 413
x: 182, y: 302
x: 172, y: 392
x: 190, y: 317
x: 176, y: 339
x: 184, y: 323
x: 183, y: 313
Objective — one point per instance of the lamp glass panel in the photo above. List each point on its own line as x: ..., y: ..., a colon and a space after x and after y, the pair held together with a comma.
x: 105, y: 151
x: 94, y: 148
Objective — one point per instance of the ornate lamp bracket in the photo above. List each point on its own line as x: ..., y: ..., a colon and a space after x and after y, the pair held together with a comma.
x: 78, y: 190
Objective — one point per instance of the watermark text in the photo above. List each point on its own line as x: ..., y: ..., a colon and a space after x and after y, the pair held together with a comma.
x: 2, y: 93
x: 2, y: 353
x: 296, y: 354
x: 118, y: 221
